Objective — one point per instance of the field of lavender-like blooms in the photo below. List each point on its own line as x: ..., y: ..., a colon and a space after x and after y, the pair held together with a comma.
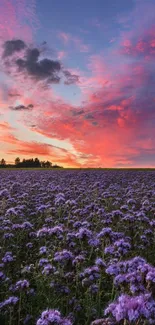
x: 77, y: 247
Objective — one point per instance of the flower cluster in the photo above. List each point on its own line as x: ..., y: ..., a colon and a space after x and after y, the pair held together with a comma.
x: 52, y: 317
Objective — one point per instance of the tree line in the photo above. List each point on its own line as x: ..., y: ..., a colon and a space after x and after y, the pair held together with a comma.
x: 28, y: 163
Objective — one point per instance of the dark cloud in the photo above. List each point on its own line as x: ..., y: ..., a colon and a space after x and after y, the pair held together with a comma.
x: 89, y: 117
x: 21, y: 107
x: 70, y: 78
x: 84, y: 155
x: 33, y: 55
x: 14, y: 95
x: 94, y: 123
x: 30, y: 106
x: 32, y: 64
x: 45, y: 69
x: 10, y: 47
x: 76, y: 112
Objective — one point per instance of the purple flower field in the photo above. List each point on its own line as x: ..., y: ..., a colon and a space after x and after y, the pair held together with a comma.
x: 77, y: 247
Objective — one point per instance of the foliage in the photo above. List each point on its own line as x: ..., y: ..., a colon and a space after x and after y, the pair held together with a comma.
x: 28, y: 163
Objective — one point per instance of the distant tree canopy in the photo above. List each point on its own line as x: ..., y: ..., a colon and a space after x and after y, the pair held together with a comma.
x: 3, y: 162
x: 17, y: 161
x: 36, y: 163
x: 28, y: 163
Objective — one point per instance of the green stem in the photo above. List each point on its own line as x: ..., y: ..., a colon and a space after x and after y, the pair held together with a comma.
x: 10, y: 318
x: 19, y: 310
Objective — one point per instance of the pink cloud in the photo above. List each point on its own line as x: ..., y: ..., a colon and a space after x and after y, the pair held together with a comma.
x: 5, y: 126
x: 13, y: 19
x: 80, y: 45
x: 65, y: 37
x: 144, y: 46
x: 61, y: 55
x: 121, y: 112
x: 75, y: 41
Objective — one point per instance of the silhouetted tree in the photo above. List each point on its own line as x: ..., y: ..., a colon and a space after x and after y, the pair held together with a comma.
x: 56, y: 166
x: 3, y: 162
x: 37, y: 163
x: 43, y: 164
x: 29, y: 163
x: 48, y: 164
x: 17, y: 161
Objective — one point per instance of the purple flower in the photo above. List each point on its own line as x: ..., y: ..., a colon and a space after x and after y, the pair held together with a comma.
x: 151, y: 276
x: 100, y: 262
x: 109, y: 250
x: 48, y: 269
x: 119, y: 247
x: 9, y: 302
x: 132, y: 308
x: 131, y: 201
x: 104, y: 232
x: 112, y: 269
x: 84, y: 233
x: 43, y: 261
x: 94, y: 288
x: 8, y: 257
x: 1, y: 265
x: 78, y: 259
x: 52, y: 317
x: 29, y: 245
x: 42, y: 250
x: 120, y: 279
x: 11, y: 212
x: 2, y: 276
x: 59, y: 199
x: 94, y: 242
x: 27, y: 225
x: 27, y: 319
x: 8, y: 236
x: 21, y: 284
x: 4, y: 194
x: 63, y: 255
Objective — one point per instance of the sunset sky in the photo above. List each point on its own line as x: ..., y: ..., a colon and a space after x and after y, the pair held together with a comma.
x: 77, y: 82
